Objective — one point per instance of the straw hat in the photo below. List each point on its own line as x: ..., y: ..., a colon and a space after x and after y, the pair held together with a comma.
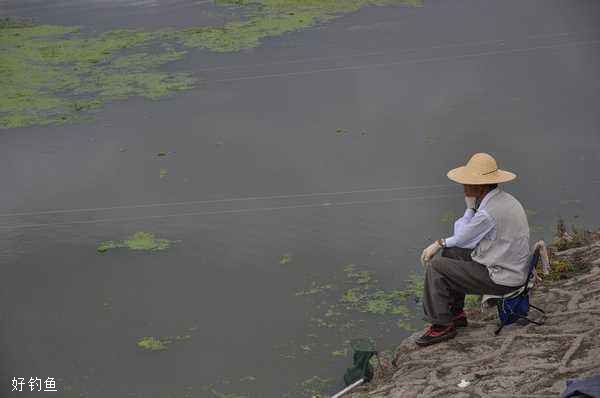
x: 481, y: 169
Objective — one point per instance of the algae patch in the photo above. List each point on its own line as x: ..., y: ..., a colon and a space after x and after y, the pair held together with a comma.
x: 270, y: 18
x: 138, y: 241
x: 161, y: 343
x: 316, y: 385
x: 314, y: 288
x: 285, y: 259
x: 59, y: 74
x: 362, y: 296
x: 152, y: 344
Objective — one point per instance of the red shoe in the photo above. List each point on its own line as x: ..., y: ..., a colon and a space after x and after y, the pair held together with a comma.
x: 460, y: 320
x: 437, y: 334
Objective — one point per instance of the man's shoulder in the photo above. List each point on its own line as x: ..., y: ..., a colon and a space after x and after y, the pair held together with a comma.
x: 507, y: 196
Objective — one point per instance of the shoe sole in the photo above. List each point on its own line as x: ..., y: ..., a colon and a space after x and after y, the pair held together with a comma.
x: 445, y: 337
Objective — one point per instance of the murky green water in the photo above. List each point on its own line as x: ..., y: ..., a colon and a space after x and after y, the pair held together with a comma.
x: 292, y: 188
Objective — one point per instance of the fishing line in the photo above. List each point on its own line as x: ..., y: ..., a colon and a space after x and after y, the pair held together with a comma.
x: 223, y: 200
x: 406, y: 62
x: 260, y: 209
x: 360, y: 55
x: 387, y: 52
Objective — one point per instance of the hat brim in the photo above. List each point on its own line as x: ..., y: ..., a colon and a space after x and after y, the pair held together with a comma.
x: 462, y: 176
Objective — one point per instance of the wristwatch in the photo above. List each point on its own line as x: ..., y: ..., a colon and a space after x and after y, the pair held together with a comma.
x: 441, y: 242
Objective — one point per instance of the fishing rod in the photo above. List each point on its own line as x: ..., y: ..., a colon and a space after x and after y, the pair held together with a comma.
x: 349, y: 388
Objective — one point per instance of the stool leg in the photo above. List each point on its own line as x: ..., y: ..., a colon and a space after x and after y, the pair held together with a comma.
x: 537, y: 308
x: 528, y: 320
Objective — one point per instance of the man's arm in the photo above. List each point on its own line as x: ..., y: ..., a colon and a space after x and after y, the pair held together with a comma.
x: 469, y: 232
x: 464, y: 220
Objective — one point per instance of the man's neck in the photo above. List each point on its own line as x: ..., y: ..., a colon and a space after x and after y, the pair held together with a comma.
x: 483, y: 195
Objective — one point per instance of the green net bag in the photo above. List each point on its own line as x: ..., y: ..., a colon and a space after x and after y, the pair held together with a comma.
x: 364, y: 350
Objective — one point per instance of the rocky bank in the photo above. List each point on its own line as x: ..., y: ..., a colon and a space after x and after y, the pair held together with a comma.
x: 523, y: 361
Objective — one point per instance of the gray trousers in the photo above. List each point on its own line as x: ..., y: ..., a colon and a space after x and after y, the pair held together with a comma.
x: 448, y: 278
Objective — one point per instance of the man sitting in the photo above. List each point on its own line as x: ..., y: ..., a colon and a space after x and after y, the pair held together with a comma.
x: 488, y: 253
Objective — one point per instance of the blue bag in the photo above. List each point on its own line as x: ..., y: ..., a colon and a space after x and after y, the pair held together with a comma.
x: 515, y: 306
x: 511, y: 310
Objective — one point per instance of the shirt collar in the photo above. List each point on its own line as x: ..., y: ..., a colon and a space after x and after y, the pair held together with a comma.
x: 487, y: 197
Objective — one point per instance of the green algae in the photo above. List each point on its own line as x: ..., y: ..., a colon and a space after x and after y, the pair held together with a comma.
x: 139, y: 241
x: 368, y: 299
x: 52, y: 74
x: 315, y: 385
x: 378, y: 302
x: 356, y: 276
x: 219, y: 394
x: 161, y: 343
x: 285, y: 259
x: 353, y: 296
x: 341, y: 353
x: 365, y: 297
x: 314, y: 288
x: 152, y: 344
x: 415, y: 286
x: 322, y: 323
x: 387, y: 302
x: 406, y: 326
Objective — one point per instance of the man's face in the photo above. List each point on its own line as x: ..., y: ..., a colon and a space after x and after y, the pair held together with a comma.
x: 474, y: 190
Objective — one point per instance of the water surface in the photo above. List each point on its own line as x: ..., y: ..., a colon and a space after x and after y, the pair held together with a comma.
x: 416, y: 90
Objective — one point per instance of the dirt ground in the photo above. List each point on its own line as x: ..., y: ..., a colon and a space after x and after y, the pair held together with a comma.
x: 523, y: 361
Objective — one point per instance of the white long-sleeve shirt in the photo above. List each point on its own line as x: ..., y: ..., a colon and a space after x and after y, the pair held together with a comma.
x: 473, y: 226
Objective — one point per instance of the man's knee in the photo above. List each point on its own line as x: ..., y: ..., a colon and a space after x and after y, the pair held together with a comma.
x: 438, y: 264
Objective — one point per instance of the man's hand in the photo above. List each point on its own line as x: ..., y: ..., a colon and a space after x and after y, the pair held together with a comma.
x: 429, y: 252
x: 470, y: 201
